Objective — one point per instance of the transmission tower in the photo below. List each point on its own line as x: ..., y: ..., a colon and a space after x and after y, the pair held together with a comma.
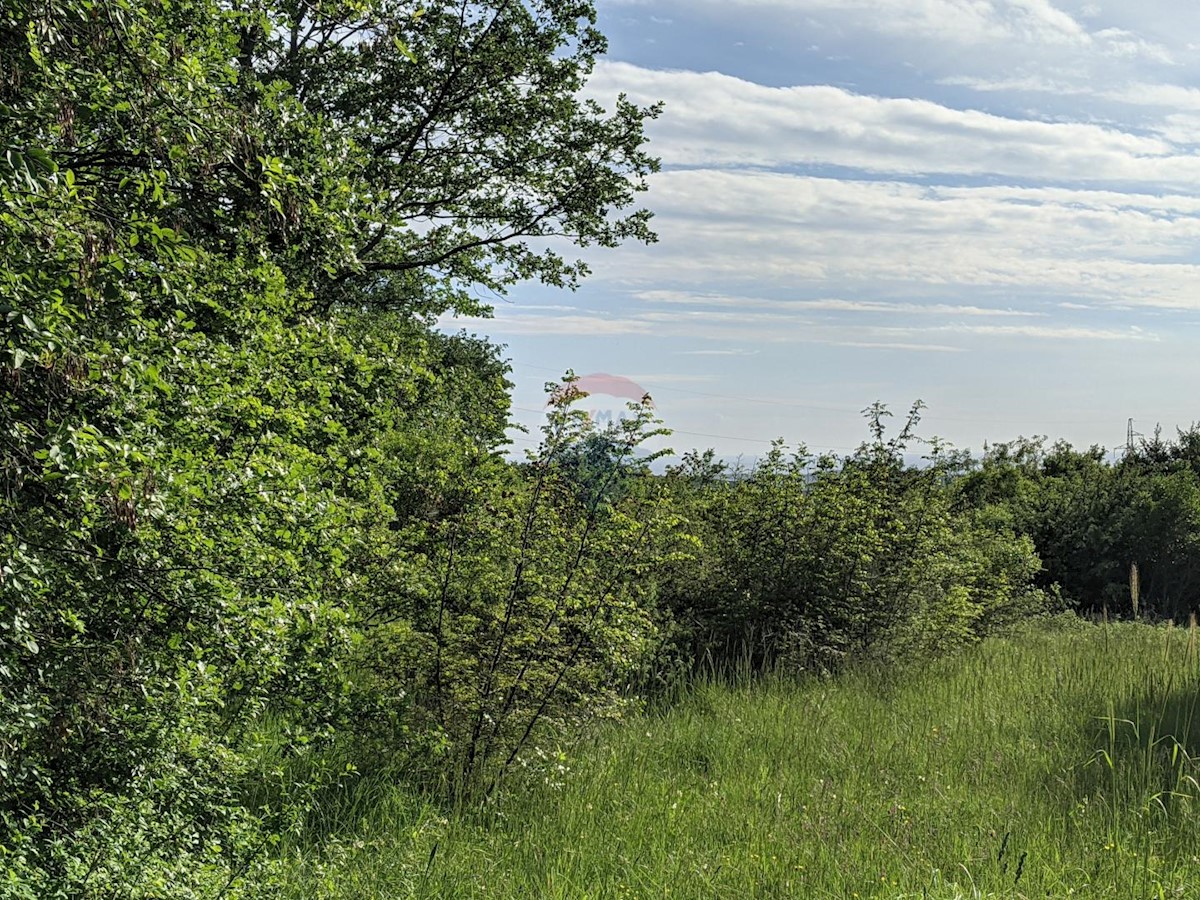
x: 1130, y: 437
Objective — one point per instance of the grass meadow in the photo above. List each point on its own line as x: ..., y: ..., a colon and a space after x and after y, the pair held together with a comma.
x: 1057, y: 763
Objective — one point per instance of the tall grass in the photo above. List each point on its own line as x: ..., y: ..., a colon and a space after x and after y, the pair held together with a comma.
x: 1060, y: 764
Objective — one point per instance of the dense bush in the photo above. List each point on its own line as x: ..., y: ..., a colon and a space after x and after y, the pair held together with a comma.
x: 810, y: 560
x: 1092, y: 521
x: 256, y: 520
x: 225, y: 235
x: 526, y: 607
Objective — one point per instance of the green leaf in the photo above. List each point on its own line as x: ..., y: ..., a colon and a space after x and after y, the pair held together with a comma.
x: 42, y: 159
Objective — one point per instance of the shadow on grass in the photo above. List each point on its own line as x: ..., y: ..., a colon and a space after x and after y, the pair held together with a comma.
x: 1145, y: 757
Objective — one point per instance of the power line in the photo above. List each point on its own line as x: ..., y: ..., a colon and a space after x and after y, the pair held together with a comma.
x: 792, y: 404
x: 725, y: 437
x: 771, y: 402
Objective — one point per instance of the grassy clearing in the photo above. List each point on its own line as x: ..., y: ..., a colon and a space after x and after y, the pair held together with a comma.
x: 1057, y: 764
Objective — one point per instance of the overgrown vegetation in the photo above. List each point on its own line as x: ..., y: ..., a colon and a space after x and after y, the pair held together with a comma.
x: 226, y: 231
x: 1093, y: 521
x: 260, y: 542
x: 811, y: 561
x: 1057, y: 763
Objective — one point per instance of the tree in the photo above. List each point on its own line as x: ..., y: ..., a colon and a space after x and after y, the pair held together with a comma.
x: 1092, y: 521
x: 384, y: 152
x: 467, y: 132
x: 201, y: 204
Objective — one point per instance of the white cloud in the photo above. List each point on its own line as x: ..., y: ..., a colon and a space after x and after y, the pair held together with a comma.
x: 1068, y: 55
x: 1118, y: 42
x: 1168, y: 96
x: 1053, y: 333
x: 851, y: 227
x: 505, y: 322
x: 758, y: 327
x: 713, y: 119
x: 899, y: 345
x: 734, y: 351
x: 1009, y: 26
x: 829, y: 304
x: 783, y: 327
x: 1044, y: 21
x: 1021, y: 84
x: 968, y: 21
x: 542, y: 307
x: 874, y: 246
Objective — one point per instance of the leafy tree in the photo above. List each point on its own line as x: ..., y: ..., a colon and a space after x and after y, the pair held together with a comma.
x: 525, y: 610
x: 1091, y: 521
x: 466, y: 130
x: 202, y: 429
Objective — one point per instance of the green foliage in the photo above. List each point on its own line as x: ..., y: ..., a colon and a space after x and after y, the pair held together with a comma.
x: 224, y: 233
x: 525, y: 610
x: 811, y: 561
x: 258, y: 540
x: 465, y: 123
x: 1091, y: 521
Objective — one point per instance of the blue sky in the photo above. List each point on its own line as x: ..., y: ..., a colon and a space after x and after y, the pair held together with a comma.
x: 989, y: 205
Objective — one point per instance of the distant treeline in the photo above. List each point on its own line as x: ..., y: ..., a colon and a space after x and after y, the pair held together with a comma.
x: 1119, y: 538
x: 1048, y: 528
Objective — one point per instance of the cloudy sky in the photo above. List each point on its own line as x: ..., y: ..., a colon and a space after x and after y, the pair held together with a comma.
x: 989, y: 205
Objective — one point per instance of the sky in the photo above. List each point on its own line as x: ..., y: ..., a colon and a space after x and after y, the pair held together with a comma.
x: 991, y: 206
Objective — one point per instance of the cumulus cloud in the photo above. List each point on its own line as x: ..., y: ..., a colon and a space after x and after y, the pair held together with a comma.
x: 1053, y: 333
x: 1167, y: 96
x: 775, y: 325
x: 1063, y: 52
x: 959, y: 20
x: 901, y: 198
x: 506, y: 322
x: 732, y: 351
x: 1022, y: 84
x: 900, y: 345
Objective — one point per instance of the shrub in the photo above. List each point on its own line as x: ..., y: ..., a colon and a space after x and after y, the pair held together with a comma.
x: 809, y: 561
